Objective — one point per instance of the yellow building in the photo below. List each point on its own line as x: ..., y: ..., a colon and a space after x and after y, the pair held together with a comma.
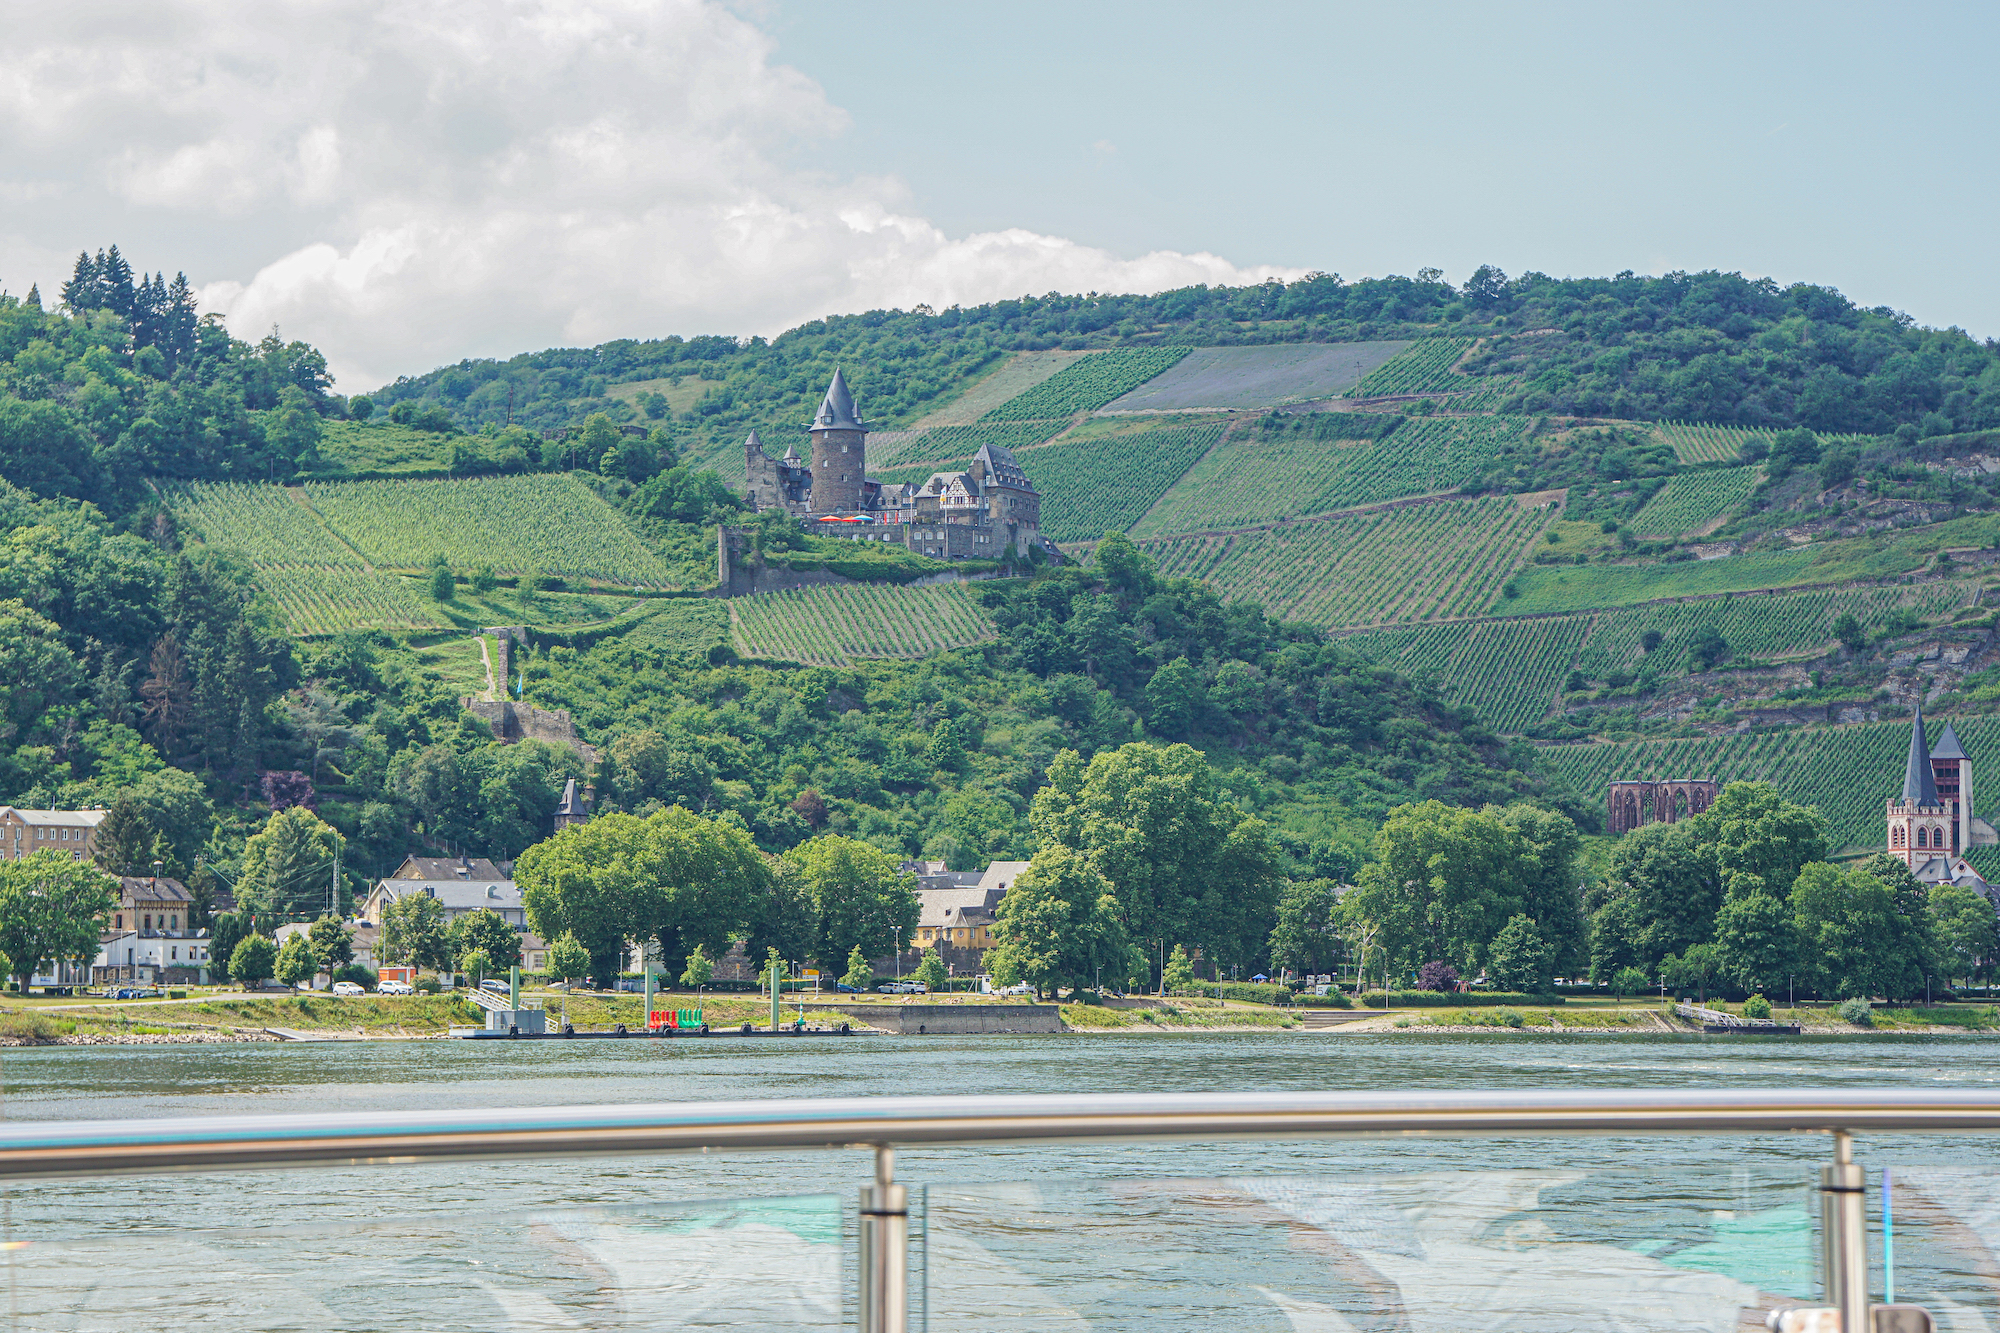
x: 25, y: 832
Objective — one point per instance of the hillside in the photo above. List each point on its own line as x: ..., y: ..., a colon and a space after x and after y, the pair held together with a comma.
x: 1389, y: 539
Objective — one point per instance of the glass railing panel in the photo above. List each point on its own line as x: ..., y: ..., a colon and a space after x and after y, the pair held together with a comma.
x: 1937, y: 1244
x: 763, y: 1264
x: 1528, y: 1249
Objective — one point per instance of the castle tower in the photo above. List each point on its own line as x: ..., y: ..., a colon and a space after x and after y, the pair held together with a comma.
x: 1952, y: 771
x: 1920, y: 825
x: 572, y: 810
x: 839, y: 452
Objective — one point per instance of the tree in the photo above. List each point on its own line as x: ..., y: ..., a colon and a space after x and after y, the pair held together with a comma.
x: 1444, y: 882
x: 487, y: 931
x: 1966, y: 928
x: 413, y: 932
x: 1760, y: 840
x: 225, y: 932
x: 1549, y: 882
x: 1060, y: 923
x: 859, y: 975
x: 1178, y: 974
x: 295, y: 961
x: 931, y: 971
x: 332, y: 943
x: 475, y: 963
x: 443, y: 586
x: 1756, y: 941
x: 288, y: 866
x: 1306, y: 938
x: 568, y: 958
x: 700, y: 968
x: 126, y: 844
x: 1520, y: 959
x: 1707, y: 648
x: 1673, y: 889
x: 675, y: 875
x: 1692, y: 969
x: 1437, y: 975
x: 946, y: 750
x: 860, y: 895
x: 1173, y: 699
x: 1184, y: 863
x: 1852, y: 941
x: 254, y: 960
x: 1627, y: 981
x: 1848, y: 630
x: 52, y: 910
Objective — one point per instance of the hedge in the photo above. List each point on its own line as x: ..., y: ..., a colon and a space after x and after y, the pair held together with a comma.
x: 1432, y: 999
x: 1248, y: 992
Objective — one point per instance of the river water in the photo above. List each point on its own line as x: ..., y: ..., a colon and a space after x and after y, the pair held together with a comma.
x: 1320, y: 1237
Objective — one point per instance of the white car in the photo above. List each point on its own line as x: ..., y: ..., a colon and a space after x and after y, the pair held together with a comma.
x: 347, y: 988
x: 903, y: 988
x: 1022, y: 989
x: 395, y: 988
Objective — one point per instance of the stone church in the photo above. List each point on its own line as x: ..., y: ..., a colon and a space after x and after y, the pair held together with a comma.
x: 1933, y: 824
x: 980, y: 513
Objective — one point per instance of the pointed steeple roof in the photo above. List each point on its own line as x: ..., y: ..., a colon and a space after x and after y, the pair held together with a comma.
x: 753, y: 443
x: 1918, y: 785
x: 792, y: 452
x: 837, y: 412
x: 572, y: 804
x: 1947, y: 746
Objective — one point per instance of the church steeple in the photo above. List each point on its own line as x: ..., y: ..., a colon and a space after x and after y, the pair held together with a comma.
x: 1919, y: 787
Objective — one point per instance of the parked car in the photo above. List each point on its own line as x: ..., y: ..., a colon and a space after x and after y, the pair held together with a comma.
x: 1023, y: 989
x: 845, y: 989
x: 136, y: 993
x: 495, y: 985
x: 903, y: 988
x: 395, y: 988
x: 347, y: 988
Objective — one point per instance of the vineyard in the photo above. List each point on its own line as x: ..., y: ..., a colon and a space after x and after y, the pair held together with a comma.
x: 946, y: 442
x: 1261, y: 477
x: 1761, y: 626
x: 263, y: 524
x: 833, y: 625
x: 1088, y: 384
x: 1415, y: 562
x: 330, y: 601
x: 1212, y: 378
x: 1848, y: 772
x: 519, y: 525
x: 1585, y: 588
x: 1699, y: 442
x: 692, y: 626
x: 1093, y: 486
x: 1426, y: 367
x: 1693, y: 500
x: 1507, y: 670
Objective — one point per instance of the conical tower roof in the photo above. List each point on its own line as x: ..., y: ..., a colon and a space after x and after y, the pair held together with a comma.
x: 836, y: 411
x: 1918, y: 785
x: 792, y: 452
x: 753, y: 443
x: 1947, y: 746
x: 571, y: 803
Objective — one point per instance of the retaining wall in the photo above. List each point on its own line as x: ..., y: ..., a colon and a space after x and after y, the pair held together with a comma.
x: 956, y: 1019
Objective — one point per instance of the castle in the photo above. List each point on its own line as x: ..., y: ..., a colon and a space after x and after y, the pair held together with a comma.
x: 1933, y: 824
x: 980, y: 513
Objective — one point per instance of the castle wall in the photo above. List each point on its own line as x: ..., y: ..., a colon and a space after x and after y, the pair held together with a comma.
x: 512, y: 722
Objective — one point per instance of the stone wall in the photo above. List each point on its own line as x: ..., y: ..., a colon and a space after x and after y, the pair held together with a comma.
x: 512, y: 722
x: 912, y: 1020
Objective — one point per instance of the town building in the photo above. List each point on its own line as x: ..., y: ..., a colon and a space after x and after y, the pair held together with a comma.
x: 150, y: 938
x: 1932, y: 824
x: 459, y: 884
x: 25, y: 832
x: 366, y: 938
x: 985, y: 512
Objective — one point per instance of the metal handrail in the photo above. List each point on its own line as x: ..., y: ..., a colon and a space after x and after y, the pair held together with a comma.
x: 56, y: 1149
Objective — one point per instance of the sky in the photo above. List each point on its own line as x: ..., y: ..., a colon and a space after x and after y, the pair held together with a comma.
x: 407, y: 183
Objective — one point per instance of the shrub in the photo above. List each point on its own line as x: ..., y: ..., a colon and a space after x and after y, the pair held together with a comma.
x: 357, y: 974
x: 1437, y: 976
x: 1756, y: 1007
x: 1247, y: 992
x: 1628, y: 981
x: 1420, y: 999
x: 1856, y: 1011
x: 1512, y: 1018
x: 428, y: 983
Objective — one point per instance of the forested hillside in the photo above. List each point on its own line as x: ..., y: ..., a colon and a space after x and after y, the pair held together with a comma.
x: 1647, y: 520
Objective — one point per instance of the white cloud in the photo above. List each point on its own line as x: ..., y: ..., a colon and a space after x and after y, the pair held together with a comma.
x: 405, y: 183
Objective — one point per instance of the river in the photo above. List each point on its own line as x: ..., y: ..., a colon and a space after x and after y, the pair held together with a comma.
x: 1319, y: 1237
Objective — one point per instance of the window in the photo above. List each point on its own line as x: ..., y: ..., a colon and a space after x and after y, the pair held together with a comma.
x: 149, y: 922
x: 1923, y: 837
x: 174, y: 922
x: 118, y: 921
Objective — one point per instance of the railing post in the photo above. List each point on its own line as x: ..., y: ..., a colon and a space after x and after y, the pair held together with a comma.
x: 1843, y: 1199
x: 885, y: 1249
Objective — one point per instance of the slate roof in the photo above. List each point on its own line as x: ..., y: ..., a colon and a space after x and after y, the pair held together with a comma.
x: 572, y: 803
x: 836, y: 411
x: 1918, y: 785
x: 1000, y: 462
x: 1948, y: 746
x: 145, y: 889
x: 448, y: 868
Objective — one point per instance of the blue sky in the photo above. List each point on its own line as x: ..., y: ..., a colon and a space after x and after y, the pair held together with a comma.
x: 409, y: 182
x: 1834, y: 143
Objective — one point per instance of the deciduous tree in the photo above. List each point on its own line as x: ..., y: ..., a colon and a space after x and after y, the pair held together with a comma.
x: 52, y: 909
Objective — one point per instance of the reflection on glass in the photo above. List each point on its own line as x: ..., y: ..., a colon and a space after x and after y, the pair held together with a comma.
x: 765, y: 1264
x: 1408, y: 1253
x: 1945, y: 1223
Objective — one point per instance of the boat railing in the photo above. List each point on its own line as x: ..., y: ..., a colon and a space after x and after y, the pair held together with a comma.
x: 882, y: 1125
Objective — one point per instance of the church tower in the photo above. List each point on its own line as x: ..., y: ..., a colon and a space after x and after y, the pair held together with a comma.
x: 1920, y: 825
x: 839, y: 452
x: 1953, y: 773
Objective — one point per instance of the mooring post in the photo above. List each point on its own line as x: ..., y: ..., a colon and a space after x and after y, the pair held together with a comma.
x: 1843, y: 1200
x: 885, y: 1249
